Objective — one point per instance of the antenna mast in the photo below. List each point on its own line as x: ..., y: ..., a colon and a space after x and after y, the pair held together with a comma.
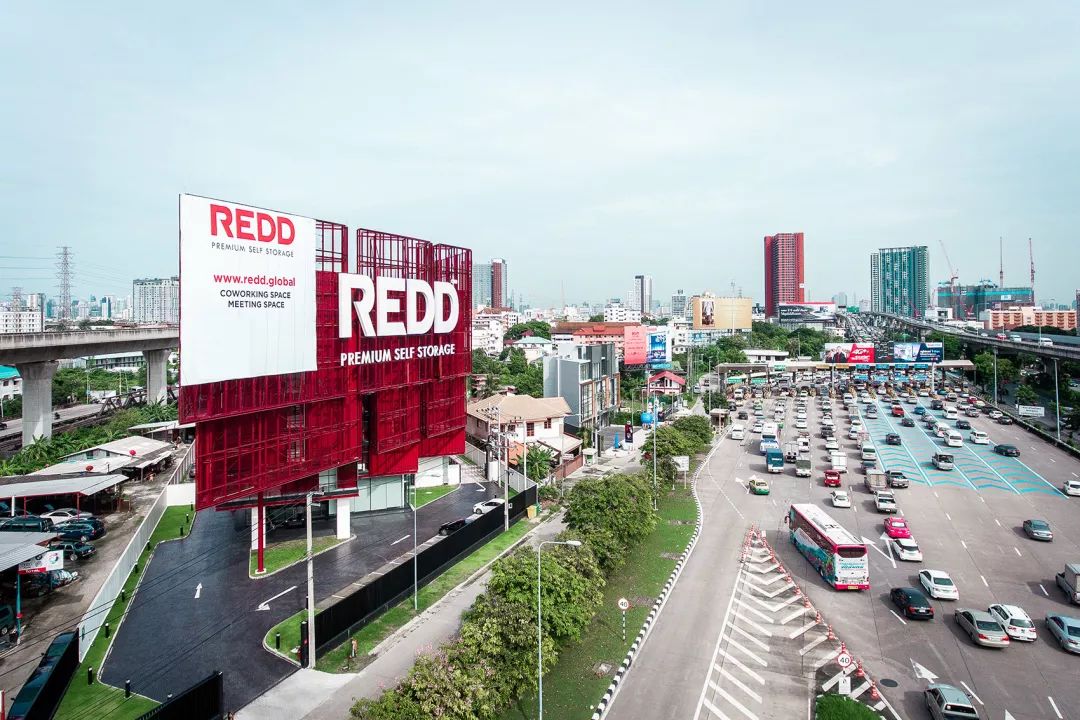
x: 1001, y: 262
x: 1031, y: 259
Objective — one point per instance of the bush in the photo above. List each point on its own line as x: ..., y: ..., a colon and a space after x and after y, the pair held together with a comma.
x: 548, y: 493
x: 697, y: 427
x: 619, y: 504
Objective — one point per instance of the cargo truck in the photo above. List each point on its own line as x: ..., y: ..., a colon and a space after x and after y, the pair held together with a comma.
x: 1069, y: 581
x: 875, y: 480
x: 791, y: 452
x: 774, y: 461
x: 803, y: 467
x: 838, y: 461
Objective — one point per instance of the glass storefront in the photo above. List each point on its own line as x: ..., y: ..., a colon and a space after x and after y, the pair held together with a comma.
x: 379, y: 493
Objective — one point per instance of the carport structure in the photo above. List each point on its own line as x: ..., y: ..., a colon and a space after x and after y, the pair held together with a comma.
x: 81, y: 485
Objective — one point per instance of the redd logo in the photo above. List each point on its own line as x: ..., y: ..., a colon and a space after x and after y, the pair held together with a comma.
x: 244, y: 224
x: 440, y: 306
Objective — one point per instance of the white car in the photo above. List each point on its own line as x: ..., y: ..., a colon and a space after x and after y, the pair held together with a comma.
x: 64, y: 514
x: 924, y: 393
x: 995, y: 414
x: 854, y: 432
x: 938, y: 585
x: 910, y: 400
x: 840, y: 499
x: 978, y: 437
x: 482, y: 507
x: 1017, y: 623
x: 800, y: 424
x: 832, y: 444
x: 757, y: 428
x: 1072, y: 487
x: 906, y: 549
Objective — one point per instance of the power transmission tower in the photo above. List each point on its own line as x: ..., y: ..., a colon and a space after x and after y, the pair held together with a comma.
x: 63, y: 280
x: 16, y: 299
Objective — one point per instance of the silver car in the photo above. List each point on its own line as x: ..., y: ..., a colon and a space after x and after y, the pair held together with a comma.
x: 1066, y: 630
x: 982, y: 628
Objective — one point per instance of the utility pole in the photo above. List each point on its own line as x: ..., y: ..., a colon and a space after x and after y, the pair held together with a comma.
x: 995, y: 377
x: 1057, y: 400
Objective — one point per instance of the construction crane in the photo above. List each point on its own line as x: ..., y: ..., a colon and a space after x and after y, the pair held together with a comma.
x: 953, y: 276
x: 1031, y: 259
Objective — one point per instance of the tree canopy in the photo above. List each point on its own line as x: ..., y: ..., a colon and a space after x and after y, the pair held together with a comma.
x: 536, y: 328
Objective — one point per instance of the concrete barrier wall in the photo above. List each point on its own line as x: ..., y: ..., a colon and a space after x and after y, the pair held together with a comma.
x: 180, y: 494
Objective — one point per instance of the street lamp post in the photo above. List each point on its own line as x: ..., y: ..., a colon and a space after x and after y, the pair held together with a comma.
x: 995, y: 377
x: 1057, y: 400
x: 539, y: 622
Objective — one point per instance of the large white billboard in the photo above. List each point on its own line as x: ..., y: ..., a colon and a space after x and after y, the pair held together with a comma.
x: 247, y: 291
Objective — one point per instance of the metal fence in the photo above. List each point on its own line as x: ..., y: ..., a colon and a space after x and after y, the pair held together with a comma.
x: 334, y: 624
x: 102, y: 603
x: 476, y: 456
x: 205, y: 700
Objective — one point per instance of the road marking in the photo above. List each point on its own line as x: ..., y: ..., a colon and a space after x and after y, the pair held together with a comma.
x: 981, y: 498
x: 1052, y: 460
x: 964, y: 544
x: 1054, y: 705
x: 1033, y: 449
x: 813, y: 644
x: 738, y: 705
x: 265, y: 604
x: 947, y: 515
x: 714, y: 710
x: 750, y: 637
x: 998, y: 522
x: 902, y: 620
x: 971, y: 692
x: 740, y: 684
x: 1075, y: 475
x: 1044, y: 590
x: 400, y: 539
x: 984, y: 581
x: 921, y: 672
x: 1017, y: 551
x: 198, y: 591
x: 936, y: 495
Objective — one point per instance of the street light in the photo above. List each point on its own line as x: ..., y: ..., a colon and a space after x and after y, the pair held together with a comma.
x: 539, y: 621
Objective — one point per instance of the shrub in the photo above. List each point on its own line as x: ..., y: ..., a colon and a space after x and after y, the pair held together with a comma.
x: 620, y: 504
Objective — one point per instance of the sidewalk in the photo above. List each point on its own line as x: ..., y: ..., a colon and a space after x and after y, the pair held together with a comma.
x: 315, y: 695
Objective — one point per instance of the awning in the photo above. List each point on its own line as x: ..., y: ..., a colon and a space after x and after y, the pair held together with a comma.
x: 18, y: 547
x: 85, y: 486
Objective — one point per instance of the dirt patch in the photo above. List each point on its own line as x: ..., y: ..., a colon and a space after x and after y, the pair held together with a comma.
x: 671, y: 556
x: 603, y: 669
x: 641, y: 601
x: 680, y: 522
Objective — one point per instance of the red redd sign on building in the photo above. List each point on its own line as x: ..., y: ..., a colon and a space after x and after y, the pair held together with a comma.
x: 354, y: 361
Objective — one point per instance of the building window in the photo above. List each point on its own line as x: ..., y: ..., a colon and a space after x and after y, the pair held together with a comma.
x: 511, y: 428
x: 547, y: 424
x: 530, y: 429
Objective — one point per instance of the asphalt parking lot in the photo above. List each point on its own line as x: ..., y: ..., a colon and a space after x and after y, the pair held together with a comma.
x: 968, y: 523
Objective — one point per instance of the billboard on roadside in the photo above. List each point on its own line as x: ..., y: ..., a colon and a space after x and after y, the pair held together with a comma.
x: 47, y: 561
x: 927, y: 352
x: 806, y: 312
x: 635, y: 340
x: 247, y: 291
x: 1030, y: 411
x: 842, y: 353
x: 657, y: 350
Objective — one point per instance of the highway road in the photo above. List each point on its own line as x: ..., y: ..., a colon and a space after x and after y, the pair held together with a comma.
x: 14, y: 427
x: 968, y: 523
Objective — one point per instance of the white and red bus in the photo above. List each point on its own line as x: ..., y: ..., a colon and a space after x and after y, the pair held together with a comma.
x: 836, y: 554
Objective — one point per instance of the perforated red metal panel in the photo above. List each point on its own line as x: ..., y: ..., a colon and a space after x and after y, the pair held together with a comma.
x: 275, y: 434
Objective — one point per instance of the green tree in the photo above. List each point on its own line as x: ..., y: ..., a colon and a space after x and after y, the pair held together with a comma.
x: 539, y: 462
x: 537, y: 328
x: 951, y: 346
x: 599, y: 317
x: 695, y: 426
x: 1026, y: 396
x: 621, y: 505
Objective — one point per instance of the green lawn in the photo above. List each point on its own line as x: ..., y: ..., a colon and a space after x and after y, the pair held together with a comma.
x: 395, y: 617
x: 283, y: 554
x: 101, y: 700
x: 428, y: 494
x: 571, y: 688
x: 838, y: 707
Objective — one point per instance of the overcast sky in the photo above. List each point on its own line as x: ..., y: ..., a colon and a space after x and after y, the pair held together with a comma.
x: 583, y: 145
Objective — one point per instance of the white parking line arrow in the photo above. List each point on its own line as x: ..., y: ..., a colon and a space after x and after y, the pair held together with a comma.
x: 887, y: 555
x: 921, y: 672
x: 1009, y: 715
x: 198, y: 591
x: 265, y: 604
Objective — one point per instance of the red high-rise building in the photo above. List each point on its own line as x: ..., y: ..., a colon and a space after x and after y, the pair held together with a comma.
x: 499, y: 297
x: 783, y: 270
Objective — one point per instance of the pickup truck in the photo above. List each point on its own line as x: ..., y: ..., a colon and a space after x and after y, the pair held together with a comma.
x: 884, y: 502
x: 896, y: 479
x: 875, y: 480
x: 1069, y: 581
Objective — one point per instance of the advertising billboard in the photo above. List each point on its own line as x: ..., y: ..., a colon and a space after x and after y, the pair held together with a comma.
x: 635, y: 344
x: 247, y: 281
x: 45, y: 562
x: 704, y: 313
x: 1031, y: 411
x: 657, y: 349
x: 848, y: 353
x: 928, y: 352
x: 806, y: 312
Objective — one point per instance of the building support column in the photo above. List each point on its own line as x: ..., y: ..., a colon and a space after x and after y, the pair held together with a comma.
x: 157, y: 376
x: 343, y: 508
x: 258, y: 534
x: 37, y: 409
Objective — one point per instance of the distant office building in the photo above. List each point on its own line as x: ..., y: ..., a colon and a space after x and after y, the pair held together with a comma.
x: 840, y: 299
x: 968, y: 302
x: 21, y: 321
x: 481, y: 284
x: 783, y: 270
x: 500, y: 297
x: 1076, y: 302
x: 678, y: 304
x: 641, y: 296
x: 587, y: 378
x: 898, y: 281
x: 157, y: 300
x: 1012, y: 317
x: 10, y: 383
x: 617, y: 312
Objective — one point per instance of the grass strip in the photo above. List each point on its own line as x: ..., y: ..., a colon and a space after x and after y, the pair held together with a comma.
x: 101, y: 700
x: 425, y: 495
x: 838, y: 707
x: 367, y: 637
x: 573, y: 686
x: 283, y: 554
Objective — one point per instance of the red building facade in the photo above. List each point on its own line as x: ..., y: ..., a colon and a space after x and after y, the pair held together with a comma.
x: 264, y: 440
x: 784, y: 275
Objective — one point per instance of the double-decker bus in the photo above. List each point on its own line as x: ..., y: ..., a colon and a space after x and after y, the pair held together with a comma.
x: 836, y: 554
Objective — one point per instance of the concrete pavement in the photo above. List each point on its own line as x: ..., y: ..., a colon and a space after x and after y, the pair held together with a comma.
x: 315, y: 695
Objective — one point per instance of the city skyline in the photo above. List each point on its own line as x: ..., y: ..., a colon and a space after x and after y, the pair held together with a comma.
x: 639, y: 154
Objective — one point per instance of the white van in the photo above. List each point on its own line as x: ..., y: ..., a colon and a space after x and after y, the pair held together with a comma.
x: 1046, y: 342
x: 978, y: 437
x: 953, y: 438
x: 950, y: 412
x: 738, y: 432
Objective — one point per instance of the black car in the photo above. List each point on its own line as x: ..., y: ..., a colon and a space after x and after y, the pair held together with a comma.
x: 913, y: 603
x: 73, y: 549
x: 743, y: 415
x: 936, y: 404
x: 1005, y: 420
x: 80, y: 530
x: 1007, y: 450
x: 907, y: 422
x: 893, y: 439
x: 453, y: 526
x: 963, y: 425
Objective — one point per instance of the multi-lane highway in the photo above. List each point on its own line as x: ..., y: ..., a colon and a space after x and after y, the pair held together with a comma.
x: 967, y: 522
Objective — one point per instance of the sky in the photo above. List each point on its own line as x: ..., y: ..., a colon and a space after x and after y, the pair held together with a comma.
x: 583, y: 144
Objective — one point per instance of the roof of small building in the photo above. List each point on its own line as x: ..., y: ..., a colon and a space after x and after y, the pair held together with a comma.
x: 520, y: 408
x: 532, y: 340
x: 669, y: 375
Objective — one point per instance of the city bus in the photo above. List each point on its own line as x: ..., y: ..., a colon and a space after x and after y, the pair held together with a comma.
x: 838, y: 556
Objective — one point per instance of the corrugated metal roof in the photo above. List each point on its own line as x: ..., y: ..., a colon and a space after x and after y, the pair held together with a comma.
x: 86, y: 485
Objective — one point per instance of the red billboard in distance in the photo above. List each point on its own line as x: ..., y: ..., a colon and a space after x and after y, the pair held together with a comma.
x: 635, y: 344
x: 848, y: 353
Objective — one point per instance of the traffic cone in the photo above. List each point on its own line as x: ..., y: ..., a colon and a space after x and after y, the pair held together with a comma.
x: 858, y: 669
x: 874, y: 694
x: 817, y: 619
x: 806, y: 602
x: 832, y: 635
